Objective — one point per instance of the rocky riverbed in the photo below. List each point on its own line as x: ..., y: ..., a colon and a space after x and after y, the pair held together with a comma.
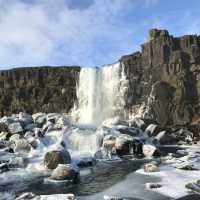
x: 47, y: 156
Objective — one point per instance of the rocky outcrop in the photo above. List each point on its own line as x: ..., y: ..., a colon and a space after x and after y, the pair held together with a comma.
x: 164, y: 83
x: 164, y: 80
x: 38, y: 89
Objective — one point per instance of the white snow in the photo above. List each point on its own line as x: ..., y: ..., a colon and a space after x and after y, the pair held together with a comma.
x: 173, y: 180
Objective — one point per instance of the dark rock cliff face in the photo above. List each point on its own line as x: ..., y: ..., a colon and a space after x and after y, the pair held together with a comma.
x: 164, y: 82
x: 166, y: 76
x: 38, y: 89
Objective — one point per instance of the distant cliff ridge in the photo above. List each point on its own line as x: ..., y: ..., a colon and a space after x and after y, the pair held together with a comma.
x: 38, y: 89
x: 164, y: 82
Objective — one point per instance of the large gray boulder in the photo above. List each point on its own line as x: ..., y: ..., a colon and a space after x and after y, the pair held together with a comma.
x: 25, y: 118
x: 64, y: 172
x: 150, y: 150
x: 165, y: 138
x: 109, y: 145
x: 124, y: 144
x: 151, y: 167
x: 39, y: 118
x: 15, y: 137
x: 53, y: 158
x: 15, y: 128
x: 22, y: 146
x: 3, y: 127
x: 30, y: 127
x: 121, y: 144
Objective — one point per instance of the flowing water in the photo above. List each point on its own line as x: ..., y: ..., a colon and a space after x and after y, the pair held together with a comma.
x: 100, y: 95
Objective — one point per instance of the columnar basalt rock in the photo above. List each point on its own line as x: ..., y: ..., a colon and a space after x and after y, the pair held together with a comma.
x: 165, y: 75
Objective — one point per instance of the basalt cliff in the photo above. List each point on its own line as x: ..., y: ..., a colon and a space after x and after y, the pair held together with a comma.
x: 164, y: 83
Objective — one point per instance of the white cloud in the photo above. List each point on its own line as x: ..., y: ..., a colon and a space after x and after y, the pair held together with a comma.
x: 51, y: 33
x: 148, y: 3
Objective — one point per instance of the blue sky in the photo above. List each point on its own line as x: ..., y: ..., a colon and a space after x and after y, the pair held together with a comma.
x: 86, y: 32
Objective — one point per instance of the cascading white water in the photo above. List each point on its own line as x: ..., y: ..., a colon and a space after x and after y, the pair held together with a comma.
x: 101, y: 94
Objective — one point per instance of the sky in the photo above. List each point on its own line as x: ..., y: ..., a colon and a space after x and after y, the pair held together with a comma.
x: 86, y: 32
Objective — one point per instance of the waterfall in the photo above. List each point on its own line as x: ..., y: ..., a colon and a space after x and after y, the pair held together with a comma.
x: 100, y: 94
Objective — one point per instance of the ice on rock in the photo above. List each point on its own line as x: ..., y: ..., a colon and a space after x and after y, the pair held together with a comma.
x: 39, y: 118
x: 25, y: 118
x: 15, y: 128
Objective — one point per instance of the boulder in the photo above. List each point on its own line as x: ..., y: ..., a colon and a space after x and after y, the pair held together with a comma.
x: 64, y: 172
x: 3, y: 127
x: 53, y: 158
x: 28, y: 196
x: 7, y: 120
x: 153, y: 129
x: 70, y: 197
x: 121, y: 144
x: 184, y: 135
x: 15, y: 128
x: 150, y: 150
x: 53, y: 117
x: 112, y: 122
x: 38, y: 132
x: 86, y: 162
x: 153, y: 185
x: 3, y: 167
x: 109, y: 145
x: 138, y: 123
x: 29, y: 134
x: 22, y: 146
x: 18, y: 162
x: 194, y: 187
x: 165, y: 138
x: 151, y: 167
x: 25, y: 118
x: 39, y: 118
x: 124, y: 144
x: 4, y: 135
x: 129, y: 131
x: 185, y: 166
x: 15, y: 137
x: 4, y: 144
x: 49, y: 126
x: 62, y: 122
x: 33, y: 142
x: 30, y: 127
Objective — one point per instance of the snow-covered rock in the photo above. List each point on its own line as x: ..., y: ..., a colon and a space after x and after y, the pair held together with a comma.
x: 15, y: 128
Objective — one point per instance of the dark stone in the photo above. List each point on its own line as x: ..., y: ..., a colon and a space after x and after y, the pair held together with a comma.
x: 4, y: 167
x: 165, y: 138
x: 53, y: 158
x: 38, y: 89
x: 3, y: 127
x: 86, y: 162
x: 64, y: 172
